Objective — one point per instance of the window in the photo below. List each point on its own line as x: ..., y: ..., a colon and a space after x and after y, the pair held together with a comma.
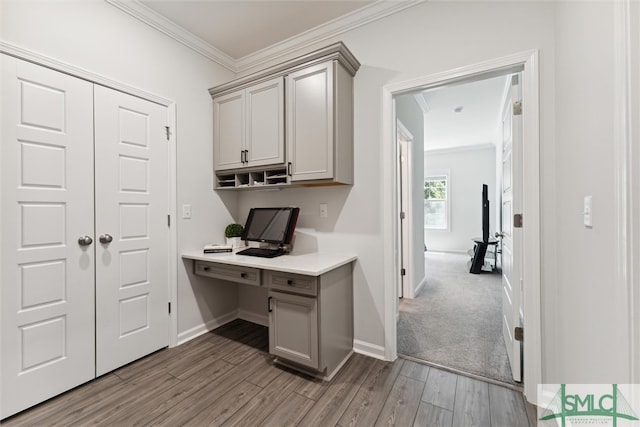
x: 436, y: 206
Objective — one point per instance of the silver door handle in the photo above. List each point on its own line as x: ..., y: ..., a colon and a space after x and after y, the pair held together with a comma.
x: 499, y: 234
x: 85, y: 241
x: 106, y: 238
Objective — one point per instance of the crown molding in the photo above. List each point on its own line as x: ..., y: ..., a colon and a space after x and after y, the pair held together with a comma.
x: 373, y: 12
x: 304, y: 40
x: 176, y: 32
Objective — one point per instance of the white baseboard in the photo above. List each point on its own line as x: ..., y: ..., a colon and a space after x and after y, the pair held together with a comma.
x: 448, y: 251
x: 418, y: 288
x: 212, y: 324
x: 368, y: 349
x: 253, y: 317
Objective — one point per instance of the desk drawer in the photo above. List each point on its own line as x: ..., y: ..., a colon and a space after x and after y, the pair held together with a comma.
x: 247, y: 275
x: 295, y: 283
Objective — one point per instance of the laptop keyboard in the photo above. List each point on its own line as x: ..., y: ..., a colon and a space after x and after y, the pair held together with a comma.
x: 261, y: 252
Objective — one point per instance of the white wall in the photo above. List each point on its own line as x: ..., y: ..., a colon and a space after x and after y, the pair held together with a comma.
x: 590, y: 317
x: 468, y: 170
x: 100, y: 38
x: 442, y: 36
x: 580, y: 308
x: 583, y: 312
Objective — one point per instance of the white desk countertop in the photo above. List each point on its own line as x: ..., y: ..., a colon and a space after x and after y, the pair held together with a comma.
x: 311, y: 264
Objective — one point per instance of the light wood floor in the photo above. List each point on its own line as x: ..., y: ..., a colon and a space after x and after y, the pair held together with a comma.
x: 226, y: 377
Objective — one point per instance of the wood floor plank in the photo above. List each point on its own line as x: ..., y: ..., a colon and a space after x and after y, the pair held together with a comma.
x: 433, y: 416
x: 57, y: 407
x: 507, y: 407
x: 290, y: 413
x: 183, y: 411
x: 166, y: 401
x: 217, y: 413
x: 264, y: 403
x: 208, y: 390
x: 440, y: 389
x: 471, y: 407
x: 132, y: 395
x: 313, y: 388
x: 417, y: 371
x: 401, y: 406
x: 339, y: 393
x: 369, y: 400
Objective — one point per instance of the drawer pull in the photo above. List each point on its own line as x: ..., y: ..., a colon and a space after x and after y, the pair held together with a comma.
x: 243, y: 275
x: 289, y: 282
x: 205, y: 268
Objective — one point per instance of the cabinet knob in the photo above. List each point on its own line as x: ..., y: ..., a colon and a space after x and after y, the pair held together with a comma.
x: 205, y: 268
x: 243, y: 275
x: 289, y: 282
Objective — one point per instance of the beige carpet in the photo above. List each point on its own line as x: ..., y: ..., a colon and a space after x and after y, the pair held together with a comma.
x: 456, y: 320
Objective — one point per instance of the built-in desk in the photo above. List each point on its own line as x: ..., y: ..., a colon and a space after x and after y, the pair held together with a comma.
x: 310, y: 300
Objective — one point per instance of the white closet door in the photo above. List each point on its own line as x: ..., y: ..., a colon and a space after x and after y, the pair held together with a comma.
x: 132, y: 190
x: 47, y: 205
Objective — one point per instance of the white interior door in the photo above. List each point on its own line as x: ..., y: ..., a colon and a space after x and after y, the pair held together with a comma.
x: 47, y: 204
x: 132, y: 234
x: 512, y: 236
x: 404, y: 140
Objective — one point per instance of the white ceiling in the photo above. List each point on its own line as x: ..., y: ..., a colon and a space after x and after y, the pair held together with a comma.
x: 242, y: 27
x: 477, y: 124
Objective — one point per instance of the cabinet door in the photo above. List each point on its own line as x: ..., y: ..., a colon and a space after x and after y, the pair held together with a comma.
x: 293, y: 328
x: 264, y: 140
x: 228, y: 131
x: 310, y: 133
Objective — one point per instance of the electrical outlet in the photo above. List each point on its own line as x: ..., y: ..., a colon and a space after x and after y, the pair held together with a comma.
x: 324, y: 210
x: 186, y: 211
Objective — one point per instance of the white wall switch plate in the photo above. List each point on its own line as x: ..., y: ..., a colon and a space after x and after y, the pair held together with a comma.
x: 324, y: 210
x: 587, y: 212
x: 186, y: 211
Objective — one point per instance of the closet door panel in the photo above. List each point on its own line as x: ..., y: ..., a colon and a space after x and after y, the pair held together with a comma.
x: 132, y: 233
x: 47, y: 290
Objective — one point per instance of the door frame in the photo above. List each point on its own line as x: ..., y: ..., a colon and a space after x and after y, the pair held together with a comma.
x: 172, y: 257
x: 528, y: 61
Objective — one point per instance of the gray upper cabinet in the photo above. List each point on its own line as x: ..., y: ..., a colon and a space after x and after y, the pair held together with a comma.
x: 250, y: 115
x: 320, y: 124
x: 249, y: 126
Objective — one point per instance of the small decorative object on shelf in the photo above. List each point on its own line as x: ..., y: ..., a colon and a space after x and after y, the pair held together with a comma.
x: 233, y: 233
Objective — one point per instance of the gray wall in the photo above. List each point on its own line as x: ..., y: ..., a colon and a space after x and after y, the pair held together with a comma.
x: 468, y: 169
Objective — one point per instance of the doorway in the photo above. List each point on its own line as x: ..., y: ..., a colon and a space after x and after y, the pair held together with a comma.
x: 526, y: 61
x: 455, y: 318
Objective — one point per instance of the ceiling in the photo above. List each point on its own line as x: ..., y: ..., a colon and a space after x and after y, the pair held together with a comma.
x: 242, y: 27
x: 478, y: 122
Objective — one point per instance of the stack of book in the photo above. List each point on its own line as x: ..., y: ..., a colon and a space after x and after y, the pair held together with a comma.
x: 216, y: 248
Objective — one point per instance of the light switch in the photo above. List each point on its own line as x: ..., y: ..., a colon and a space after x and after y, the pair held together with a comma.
x: 587, y: 212
x: 186, y: 211
x: 324, y: 210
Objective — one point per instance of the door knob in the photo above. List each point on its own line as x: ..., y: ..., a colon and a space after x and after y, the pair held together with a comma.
x: 85, y: 241
x: 105, y: 238
x: 499, y: 234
